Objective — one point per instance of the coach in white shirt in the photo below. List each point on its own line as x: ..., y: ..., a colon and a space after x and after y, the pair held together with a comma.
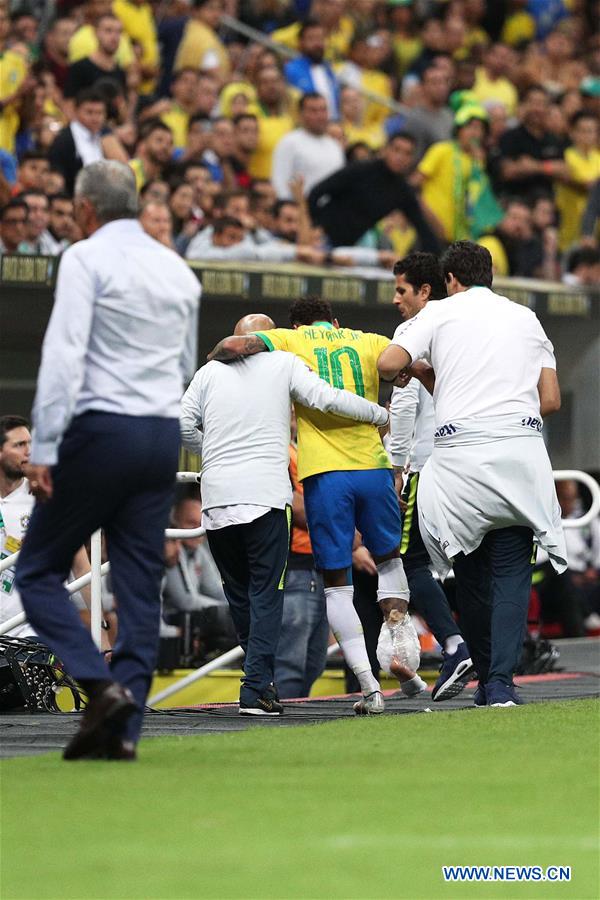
x: 306, y: 151
x: 419, y: 281
x: 487, y: 492
x: 237, y: 417
x: 105, y: 447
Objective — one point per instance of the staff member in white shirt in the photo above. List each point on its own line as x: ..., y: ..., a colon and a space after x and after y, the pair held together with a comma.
x: 419, y: 281
x: 307, y: 151
x: 105, y: 447
x: 487, y: 492
x: 237, y: 417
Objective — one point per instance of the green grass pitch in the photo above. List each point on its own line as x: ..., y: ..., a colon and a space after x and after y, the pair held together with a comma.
x: 358, y: 808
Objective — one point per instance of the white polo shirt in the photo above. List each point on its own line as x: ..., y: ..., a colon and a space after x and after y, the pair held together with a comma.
x: 15, y: 511
x: 487, y: 353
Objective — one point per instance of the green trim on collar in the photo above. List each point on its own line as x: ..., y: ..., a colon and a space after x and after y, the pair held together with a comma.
x: 323, y: 325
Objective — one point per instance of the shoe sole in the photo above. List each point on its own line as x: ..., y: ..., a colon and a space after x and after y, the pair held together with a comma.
x: 258, y: 712
x: 456, y: 683
x: 87, y: 745
x: 368, y: 712
x: 508, y: 703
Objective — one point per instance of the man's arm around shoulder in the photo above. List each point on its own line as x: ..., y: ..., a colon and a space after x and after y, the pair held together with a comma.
x: 308, y: 389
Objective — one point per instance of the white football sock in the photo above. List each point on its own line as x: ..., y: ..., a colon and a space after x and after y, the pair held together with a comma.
x: 452, y: 643
x: 392, y: 584
x: 345, y: 624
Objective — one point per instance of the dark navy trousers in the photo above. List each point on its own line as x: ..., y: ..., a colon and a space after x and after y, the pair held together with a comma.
x: 117, y: 473
x: 252, y: 560
x: 427, y: 596
x: 493, y: 584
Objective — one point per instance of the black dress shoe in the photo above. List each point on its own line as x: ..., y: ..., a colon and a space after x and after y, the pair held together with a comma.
x: 112, y: 706
x: 117, y: 748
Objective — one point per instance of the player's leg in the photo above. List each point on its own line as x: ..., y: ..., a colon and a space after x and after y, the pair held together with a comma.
x: 378, y: 520
x: 429, y: 600
x: 330, y: 515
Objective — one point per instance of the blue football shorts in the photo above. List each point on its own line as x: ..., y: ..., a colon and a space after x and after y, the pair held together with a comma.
x: 337, y: 503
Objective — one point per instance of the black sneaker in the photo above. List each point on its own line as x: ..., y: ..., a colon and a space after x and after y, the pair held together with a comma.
x: 262, y: 706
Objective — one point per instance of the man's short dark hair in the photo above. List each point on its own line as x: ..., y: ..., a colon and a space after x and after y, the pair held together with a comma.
x: 33, y: 192
x: 150, y: 125
x: 279, y: 204
x: 8, y: 423
x: 533, y: 89
x: 583, y: 256
x: 61, y: 197
x: 32, y: 154
x: 221, y: 200
x: 311, y: 95
x: 226, y: 222
x: 469, y: 263
x: 241, y: 116
x: 90, y: 95
x: 13, y: 204
x: 307, y: 310
x: 307, y: 25
x: 402, y: 136
x: 422, y: 268
x: 581, y: 114
x: 199, y: 118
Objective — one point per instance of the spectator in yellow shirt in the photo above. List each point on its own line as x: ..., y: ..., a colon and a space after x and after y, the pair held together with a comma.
x: 338, y: 27
x: 185, y: 103
x: 359, y: 71
x: 356, y: 131
x: 275, y: 119
x: 137, y: 17
x: 154, y: 150
x: 14, y: 83
x: 452, y: 174
x: 84, y: 42
x: 201, y: 47
x: 583, y: 169
x: 492, y: 83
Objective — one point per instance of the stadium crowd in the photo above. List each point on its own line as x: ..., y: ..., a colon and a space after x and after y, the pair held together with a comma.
x: 375, y: 127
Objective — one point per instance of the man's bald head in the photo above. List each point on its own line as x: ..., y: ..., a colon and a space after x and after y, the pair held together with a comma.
x: 253, y: 322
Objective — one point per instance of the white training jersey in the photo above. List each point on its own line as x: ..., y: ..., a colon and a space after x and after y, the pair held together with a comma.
x: 487, y: 353
x: 15, y: 511
x: 412, y: 423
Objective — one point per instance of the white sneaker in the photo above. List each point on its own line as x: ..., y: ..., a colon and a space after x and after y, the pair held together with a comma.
x: 370, y: 705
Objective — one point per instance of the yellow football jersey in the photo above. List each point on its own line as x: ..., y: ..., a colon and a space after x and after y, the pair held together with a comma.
x: 346, y: 359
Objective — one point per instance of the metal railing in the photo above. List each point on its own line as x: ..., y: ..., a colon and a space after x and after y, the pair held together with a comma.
x: 98, y: 570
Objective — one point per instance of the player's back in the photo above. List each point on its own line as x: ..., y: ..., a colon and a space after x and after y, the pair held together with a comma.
x: 346, y: 358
